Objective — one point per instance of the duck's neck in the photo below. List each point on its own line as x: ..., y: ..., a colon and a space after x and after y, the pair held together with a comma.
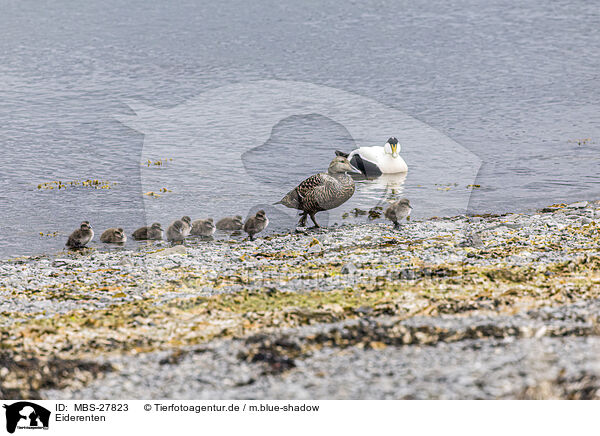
x: 342, y: 177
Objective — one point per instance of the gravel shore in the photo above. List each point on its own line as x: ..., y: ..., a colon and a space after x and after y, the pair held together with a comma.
x: 463, y: 307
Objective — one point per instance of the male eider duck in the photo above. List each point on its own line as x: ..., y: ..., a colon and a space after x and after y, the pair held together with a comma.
x: 375, y: 161
x: 322, y: 191
x: 113, y: 236
x: 80, y: 237
x: 256, y: 224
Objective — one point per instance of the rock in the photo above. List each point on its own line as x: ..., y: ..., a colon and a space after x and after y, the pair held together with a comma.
x: 349, y: 268
x: 472, y: 240
x: 176, y: 250
x: 126, y: 262
x: 315, y: 248
x: 61, y: 262
x: 578, y: 205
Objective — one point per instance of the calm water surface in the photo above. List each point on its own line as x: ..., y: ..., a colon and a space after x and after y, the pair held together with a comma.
x: 513, y: 85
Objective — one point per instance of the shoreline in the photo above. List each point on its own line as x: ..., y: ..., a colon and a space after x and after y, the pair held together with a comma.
x: 292, y: 307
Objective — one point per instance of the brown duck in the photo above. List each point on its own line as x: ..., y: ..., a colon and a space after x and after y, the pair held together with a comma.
x: 113, y: 236
x: 80, y: 237
x: 256, y: 224
x: 398, y: 211
x: 154, y: 232
x: 322, y: 191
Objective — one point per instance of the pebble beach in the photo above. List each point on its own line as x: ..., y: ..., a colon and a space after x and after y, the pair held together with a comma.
x: 490, y: 306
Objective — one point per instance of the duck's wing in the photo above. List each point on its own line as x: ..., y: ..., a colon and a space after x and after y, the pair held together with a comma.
x: 312, y: 182
x: 372, y: 154
x: 141, y: 233
x: 328, y: 195
x: 366, y: 160
x: 296, y: 197
x: 74, y: 238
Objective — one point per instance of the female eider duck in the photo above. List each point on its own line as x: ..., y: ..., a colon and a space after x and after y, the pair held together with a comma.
x: 322, y: 191
x: 375, y: 161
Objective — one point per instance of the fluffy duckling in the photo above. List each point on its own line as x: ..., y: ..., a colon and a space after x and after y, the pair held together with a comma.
x: 153, y: 233
x: 256, y: 224
x: 203, y: 227
x: 113, y: 236
x: 398, y: 211
x: 176, y: 232
x: 230, y: 223
x: 80, y: 237
x: 187, y: 225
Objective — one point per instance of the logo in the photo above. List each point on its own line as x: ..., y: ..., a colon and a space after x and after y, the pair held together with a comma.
x: 26, y: 415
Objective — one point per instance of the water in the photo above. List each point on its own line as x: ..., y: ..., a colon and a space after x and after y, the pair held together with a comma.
x: 514, y: 85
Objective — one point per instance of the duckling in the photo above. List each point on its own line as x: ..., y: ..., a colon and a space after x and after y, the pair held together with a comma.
x: 230, y: 223
x: 256, y: 224
x: 203, y: 227
x: 154, y: 233
x: 398, y: 211
x: 80, y: 237
x: 113, y: 236
x: 187, y: 225
x: 176, y: 232
x: 322, y: 191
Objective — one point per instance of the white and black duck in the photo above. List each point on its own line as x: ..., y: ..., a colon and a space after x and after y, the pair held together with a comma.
x: 377, y: 160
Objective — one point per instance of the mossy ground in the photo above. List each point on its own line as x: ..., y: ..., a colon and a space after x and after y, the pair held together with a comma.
x: 394, y: 282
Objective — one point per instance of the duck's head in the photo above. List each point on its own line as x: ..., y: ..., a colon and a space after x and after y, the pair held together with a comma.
x: 404, y: 202
x: 261, y: 215
x: 340, y: 165
x: 86, y: 226
x: 392, y: 147
x: 178, y: 226
x: 186, y: 219
x: 156, y: 226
